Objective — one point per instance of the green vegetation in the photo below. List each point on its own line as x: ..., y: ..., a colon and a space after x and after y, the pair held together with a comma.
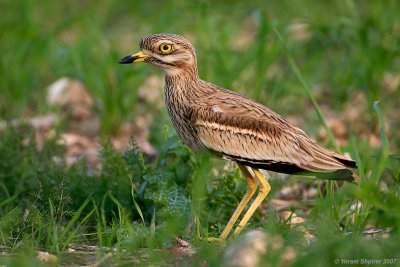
x: 343, y: 56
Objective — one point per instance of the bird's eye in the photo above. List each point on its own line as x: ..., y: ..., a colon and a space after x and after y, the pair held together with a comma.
x: 165, y: 48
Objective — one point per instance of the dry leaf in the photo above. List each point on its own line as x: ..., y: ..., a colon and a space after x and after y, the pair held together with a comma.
x: 391, y: 82
x: 182, y: 248
x: 375, y: 141
x: 291, y: 217
x: 80, y: 146
x: 46, y: 257
x: 66, y: 91
x: 300, y: 31
x: 152, y: 90
x: 122, y: 139
x: 281, y: 204
x: 247, y: 249
x: 338, y: 129
x: 73, y: 96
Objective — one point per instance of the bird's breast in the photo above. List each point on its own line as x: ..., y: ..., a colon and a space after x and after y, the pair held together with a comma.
x: 179, y: 108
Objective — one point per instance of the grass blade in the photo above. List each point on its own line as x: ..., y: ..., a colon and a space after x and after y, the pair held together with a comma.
x: 72, y: 234
x: 9, y: 200
x: 75, y: 218
x: 134, y: 201
x: 384, y: 152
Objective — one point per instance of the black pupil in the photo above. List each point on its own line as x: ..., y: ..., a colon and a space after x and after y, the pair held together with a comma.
x: 165, y: 47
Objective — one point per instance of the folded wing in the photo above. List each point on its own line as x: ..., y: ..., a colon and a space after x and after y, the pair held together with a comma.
x: 242, y: 130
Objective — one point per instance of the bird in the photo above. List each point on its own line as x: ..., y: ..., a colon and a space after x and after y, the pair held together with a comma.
x: 222, y: 123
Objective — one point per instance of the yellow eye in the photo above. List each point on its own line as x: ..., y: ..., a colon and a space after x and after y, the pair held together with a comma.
x: 165, y: 48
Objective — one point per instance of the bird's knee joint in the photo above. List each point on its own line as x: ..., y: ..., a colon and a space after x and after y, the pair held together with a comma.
x: 252, y: 186
x: 265, y: 189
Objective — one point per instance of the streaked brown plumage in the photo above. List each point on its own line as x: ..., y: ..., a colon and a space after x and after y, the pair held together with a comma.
x: 234, y: 127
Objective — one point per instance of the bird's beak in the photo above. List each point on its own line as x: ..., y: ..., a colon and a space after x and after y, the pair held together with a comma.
x: 138, y: 57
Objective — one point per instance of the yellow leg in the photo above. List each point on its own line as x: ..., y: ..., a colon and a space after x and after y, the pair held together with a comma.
x: 251, y: 189
x: 264, y: 190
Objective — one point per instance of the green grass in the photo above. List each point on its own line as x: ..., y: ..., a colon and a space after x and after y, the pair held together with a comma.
x: 348, y: 50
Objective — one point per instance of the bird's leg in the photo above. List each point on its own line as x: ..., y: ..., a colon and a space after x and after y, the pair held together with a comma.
x: 251, y: 189
x: 263, y: 192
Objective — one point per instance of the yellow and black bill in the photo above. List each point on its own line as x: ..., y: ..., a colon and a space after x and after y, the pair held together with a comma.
x: 138, y: 57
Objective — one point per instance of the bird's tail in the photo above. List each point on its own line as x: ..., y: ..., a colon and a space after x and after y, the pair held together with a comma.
x: 339, y: 175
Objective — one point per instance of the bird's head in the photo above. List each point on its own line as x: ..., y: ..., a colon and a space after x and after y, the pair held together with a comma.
x: 172, y: 53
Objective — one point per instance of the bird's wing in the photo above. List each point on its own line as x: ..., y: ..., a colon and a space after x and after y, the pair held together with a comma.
x: 240, y: 129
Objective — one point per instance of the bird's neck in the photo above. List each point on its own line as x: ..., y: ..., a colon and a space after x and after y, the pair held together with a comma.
x: 182, y: 81
x: 185, y: 73
x: 187, y: 89
x: 178, y: 85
